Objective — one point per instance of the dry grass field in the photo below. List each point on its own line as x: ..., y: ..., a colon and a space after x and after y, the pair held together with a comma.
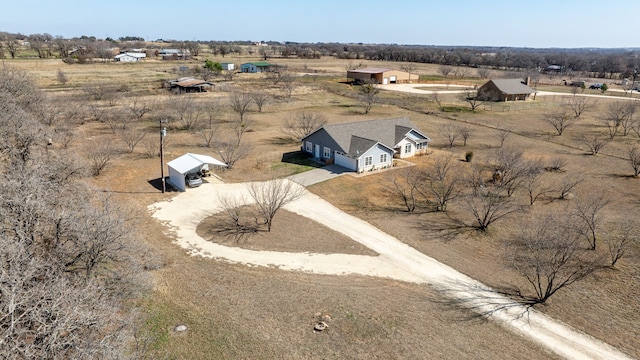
x: 234, y: 311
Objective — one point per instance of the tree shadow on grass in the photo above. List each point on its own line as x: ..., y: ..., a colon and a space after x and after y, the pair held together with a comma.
x: 475, y: 302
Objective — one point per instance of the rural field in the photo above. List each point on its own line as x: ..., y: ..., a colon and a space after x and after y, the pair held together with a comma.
x: 251, y: 312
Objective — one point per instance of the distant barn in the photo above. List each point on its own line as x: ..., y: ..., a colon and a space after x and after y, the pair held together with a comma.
x: 381, y: 76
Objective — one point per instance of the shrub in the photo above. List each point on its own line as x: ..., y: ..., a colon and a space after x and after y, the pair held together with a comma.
x: 468, y: 156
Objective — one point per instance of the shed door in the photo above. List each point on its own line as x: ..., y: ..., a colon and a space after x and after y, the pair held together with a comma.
x: 385, y: 81
x: 393, y: 79
x: 317, y: 151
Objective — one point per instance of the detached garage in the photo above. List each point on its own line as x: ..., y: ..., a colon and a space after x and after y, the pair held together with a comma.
x: 188, y: 164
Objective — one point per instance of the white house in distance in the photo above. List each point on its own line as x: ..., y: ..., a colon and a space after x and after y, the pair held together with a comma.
x: 228, y: 66
x: 189, y: 164
x: 130, y: 57
x: 366, y: 145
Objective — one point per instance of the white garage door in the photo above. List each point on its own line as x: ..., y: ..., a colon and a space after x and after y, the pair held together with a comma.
x: 345, y: 162
x: 393, y: 79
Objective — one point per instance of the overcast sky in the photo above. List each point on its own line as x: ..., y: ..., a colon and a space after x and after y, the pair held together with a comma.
x: 513, y: 23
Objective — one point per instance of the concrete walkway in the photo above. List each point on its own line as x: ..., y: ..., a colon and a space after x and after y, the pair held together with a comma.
x: 315, y: 176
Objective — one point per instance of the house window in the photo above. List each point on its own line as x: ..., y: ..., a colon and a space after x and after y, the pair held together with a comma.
x: 368, y: 160
x: 407, y: 149
x: 326, y: 152
x: 419, y: 146
x: 383, y: 158
x: 308, y: 146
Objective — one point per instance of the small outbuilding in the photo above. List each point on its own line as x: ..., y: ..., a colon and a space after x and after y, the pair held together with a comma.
x: 505, y: 90
x: 257, y: 67
x: 189, y: 85
x: 130, y: 57
x: 188, y: 164
x: 381, y: 76
x: 228, y: 66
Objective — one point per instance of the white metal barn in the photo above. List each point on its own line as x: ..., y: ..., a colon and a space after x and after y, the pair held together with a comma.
x: 130, y: 57
x: 189, y: 164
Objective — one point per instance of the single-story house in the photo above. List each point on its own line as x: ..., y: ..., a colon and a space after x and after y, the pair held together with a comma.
x: 366, y: 145
x: 381, y: 76
x: 189, y: 164
x: 174, y: 54
x: 505, y: 90
x: 257, y: 67
x: 228, y: 66
x: 130, y: 57
x: 189, y: 85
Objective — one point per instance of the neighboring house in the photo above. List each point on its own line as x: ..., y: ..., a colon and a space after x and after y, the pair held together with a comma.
x: 189, y: 85
x: 257, y: 67
x: 130, y: 57
x: 174, y: 54
x: 381, y: 76
x: 228, y: 66
x: 505, y: 90
x: 366, y: 145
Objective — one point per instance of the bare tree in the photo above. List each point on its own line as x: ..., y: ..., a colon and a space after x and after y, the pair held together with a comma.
x: 587, y: 217
x: 465, y: 133
x: 594, y: 143
x: 484, y: 73
x: 62, y: 77
x: 442, y: 180
x: 100, y: 155
x: 471, y: 98
x: 240, y: 103
x: 405, y: 184
x: 131, y: 137
x: 567, y: 184
x: 503, y: 135
x: 435, y: 97
x: 230, y: 150
x: 560, y: 119
x: 302, y: 124
x: 209, y: 130
x: 451, y: 132
x: 186, y: 112
x: 139, y: 108
x: 617, y: 113
x: 445, y: 70
x: 272, y: 195
x: 535, y: 185
x: 487, y: 207
x: 510, y: 169
x: 634, y: 159
x: 368, y: 96
x: 549, y: 255
x: 579, y: 105
x: 260, y: 98
x: 151, y: 147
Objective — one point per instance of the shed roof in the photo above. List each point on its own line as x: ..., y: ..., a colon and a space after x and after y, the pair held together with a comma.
x: 512, y: 86
x: 259, y: 63
x: 189, y: 161
x: 370, y: 70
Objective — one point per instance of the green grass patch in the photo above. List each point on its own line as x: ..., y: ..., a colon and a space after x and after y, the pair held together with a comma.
x: 295, y: 163
x: 456, y: 109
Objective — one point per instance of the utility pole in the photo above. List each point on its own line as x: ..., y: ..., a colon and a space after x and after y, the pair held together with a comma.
x: 163, y: 133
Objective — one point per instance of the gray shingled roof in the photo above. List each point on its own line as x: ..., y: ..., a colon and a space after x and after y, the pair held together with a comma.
x: 360, y: 136
x: 512, y: 86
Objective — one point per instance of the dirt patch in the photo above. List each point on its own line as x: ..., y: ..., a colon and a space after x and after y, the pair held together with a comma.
x: 290, y: 233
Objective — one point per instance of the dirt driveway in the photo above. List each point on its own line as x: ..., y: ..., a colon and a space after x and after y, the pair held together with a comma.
x: 183, y: 213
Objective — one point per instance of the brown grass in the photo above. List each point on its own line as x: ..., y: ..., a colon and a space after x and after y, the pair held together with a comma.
x: 239, y: 312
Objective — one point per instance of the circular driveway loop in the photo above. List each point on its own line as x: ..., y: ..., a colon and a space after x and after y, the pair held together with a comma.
x: 398, y: 261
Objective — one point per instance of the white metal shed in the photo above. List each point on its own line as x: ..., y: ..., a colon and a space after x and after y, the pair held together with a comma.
x: 187, y: 164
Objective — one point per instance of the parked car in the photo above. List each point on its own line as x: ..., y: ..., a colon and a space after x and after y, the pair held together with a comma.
x: 595, y: 86
x: 193, y: 180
